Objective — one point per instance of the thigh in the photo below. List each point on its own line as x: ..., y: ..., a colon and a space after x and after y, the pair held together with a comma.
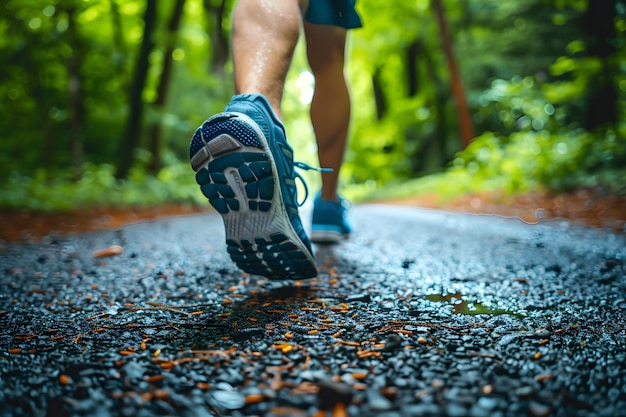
x: 325, y: 45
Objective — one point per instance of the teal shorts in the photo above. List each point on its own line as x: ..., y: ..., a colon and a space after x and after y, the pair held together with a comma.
x: 333, y: 12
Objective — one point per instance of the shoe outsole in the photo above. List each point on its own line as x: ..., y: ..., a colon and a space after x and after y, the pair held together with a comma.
x: 240, y: 179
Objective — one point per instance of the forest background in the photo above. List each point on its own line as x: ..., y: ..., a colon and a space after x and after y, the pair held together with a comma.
x: 101, y: 97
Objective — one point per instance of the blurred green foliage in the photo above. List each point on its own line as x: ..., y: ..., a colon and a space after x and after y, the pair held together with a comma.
x: 97, y: 185
x: 546, y: 95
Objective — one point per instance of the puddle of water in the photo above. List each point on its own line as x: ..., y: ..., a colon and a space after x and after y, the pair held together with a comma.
x: 462, y: 306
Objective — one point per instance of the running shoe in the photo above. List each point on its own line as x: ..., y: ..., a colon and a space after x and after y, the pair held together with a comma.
x: 245, y: 167
x: 330, y: 221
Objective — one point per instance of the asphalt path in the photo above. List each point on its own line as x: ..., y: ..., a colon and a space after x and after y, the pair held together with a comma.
x: 420, y: 313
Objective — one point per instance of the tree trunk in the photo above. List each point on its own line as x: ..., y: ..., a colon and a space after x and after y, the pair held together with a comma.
x: 156, y: 130
x: 412, y: 75
x: 219, y: 36
x: 76, y: 98
x: 121, y: 51
x: 47, y: 150
x: 438, y: 147
x: 130, y: 139
x: 379, y: 95
x: 599, y: 26
x: 465, y: 119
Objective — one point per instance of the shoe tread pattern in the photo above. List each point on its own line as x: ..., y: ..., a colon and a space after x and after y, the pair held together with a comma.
x: 236, y: 177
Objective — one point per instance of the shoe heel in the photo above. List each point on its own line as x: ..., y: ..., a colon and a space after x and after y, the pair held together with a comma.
x: 232, y: 175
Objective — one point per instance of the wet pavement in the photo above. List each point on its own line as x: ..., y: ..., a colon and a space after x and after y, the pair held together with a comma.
x: 421, y: 313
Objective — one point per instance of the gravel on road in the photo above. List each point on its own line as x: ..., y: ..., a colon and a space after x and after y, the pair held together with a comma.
x: 420, y: 313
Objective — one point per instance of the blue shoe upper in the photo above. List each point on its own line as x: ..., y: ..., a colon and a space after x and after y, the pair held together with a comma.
x: 330, y: 215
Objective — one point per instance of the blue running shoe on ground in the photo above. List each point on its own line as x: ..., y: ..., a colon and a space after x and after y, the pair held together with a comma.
x: 245, y: 167
x: 330, y: 222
